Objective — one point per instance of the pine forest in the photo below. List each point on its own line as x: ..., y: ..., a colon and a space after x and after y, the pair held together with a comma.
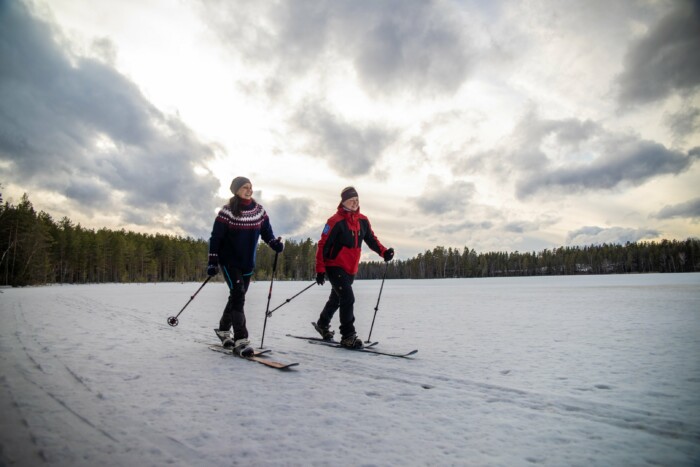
x: 35, y: 249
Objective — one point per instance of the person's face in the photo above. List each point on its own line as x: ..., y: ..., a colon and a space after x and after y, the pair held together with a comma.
x: 352, y: 203
x: 245, y: 192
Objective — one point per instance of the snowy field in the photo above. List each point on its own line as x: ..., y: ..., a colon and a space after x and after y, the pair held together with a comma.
x: 560, y: 371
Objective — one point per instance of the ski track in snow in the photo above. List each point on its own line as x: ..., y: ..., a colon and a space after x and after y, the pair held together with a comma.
x: 537, y: 371
x: 62, y: 419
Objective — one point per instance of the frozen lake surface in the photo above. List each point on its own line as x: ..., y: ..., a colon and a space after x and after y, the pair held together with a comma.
x: 586, y: 370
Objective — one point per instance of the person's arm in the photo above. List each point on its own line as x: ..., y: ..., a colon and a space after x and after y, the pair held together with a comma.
x: 372, y: 241
x: 218, y: 232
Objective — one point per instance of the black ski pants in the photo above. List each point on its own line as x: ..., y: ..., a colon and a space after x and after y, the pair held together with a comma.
x: 234, y: 315
x: 342, y: 298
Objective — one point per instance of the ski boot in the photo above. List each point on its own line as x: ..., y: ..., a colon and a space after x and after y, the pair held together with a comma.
x: 352, y: 342
x: 226, y: 338
x: 242, y: 348
x: 326, y: 332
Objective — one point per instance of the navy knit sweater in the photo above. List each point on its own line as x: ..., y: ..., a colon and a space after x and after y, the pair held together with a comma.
x: 234, y: 239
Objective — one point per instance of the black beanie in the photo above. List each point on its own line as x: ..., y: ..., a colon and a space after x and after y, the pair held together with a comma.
x: 347, y: 193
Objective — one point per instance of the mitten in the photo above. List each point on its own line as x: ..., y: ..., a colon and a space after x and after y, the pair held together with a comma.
x: 213, y: 266
x: 276, y: 245
x: 388, y: 254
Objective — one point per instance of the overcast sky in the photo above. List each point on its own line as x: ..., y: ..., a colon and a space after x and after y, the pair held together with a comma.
x: 499, y: 126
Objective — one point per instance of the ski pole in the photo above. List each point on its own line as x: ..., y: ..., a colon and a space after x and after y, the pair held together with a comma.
x: 173, y: 319
x: 269, y: 295
x: 269, y: 313
x: 378, y: 298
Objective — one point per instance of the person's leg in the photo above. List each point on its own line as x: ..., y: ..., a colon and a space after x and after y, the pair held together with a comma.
x: 332, y: 304
x: 234, y: 314
x: 342, y: 287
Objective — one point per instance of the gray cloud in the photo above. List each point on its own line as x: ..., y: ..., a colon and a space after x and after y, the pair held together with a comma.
x: 664, y: 60
x: 422, y: 48
x: 622, y: 160
x: 683, y: 123
x: 534, y: 224
x: 523, y: 150
x: 392, y: 45
x: 441, y: 199
x: 521, y: 226
x: 475, y: 163
x: 592, y: 235
x: 75, y: 126
x: 451, y: 228
x: 572, y: 156
x: 530, y: 133
x: 88, y: 191
x: 349, y: 149
x: 571, y: 131
x: 288, y: 216
x: 466, y: 226
x: 689, y: 209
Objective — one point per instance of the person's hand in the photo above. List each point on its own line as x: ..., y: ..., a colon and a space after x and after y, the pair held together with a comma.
x: 277, y: 245
x: 388, y: 254
x: 213, y: 269
x: 320, y: 278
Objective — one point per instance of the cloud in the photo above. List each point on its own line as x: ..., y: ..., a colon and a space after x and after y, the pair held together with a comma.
x: 422, y: 48
x: 530, y: 146
x: 683, y: 123
x: 664, y: 60
x: 571, y: 156
x: 521, y: 226
x: 532, y: 133
x: 439, y: 199
x: 452, y: 228
x: 77, y: 127
x: 592, y: 235
x: 625, y: 160
x: 689, y: 209
x: 288, y: 215
x: 350, y: 149
x: 392, y: 46
x: 88, y: 191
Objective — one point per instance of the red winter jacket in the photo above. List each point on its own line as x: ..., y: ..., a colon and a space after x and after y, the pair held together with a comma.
x: 341, y: 241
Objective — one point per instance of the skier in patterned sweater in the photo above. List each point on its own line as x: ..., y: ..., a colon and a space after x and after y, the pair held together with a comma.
x: 234, y: 239
x: 338, y: 257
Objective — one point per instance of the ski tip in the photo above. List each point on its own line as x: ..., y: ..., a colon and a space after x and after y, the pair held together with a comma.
x: 272, y: 364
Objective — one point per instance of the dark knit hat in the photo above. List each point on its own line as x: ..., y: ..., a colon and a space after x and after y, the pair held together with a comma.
x: 237, y: 183
x: 347, y: 193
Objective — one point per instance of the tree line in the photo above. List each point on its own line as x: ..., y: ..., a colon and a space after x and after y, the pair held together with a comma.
x: 36, y: 249
x: 632, y: 257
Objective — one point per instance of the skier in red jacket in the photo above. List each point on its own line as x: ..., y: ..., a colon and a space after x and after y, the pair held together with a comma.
x: 338, y: 257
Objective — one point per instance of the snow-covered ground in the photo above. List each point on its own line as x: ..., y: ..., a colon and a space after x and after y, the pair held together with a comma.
x: 601, y: 370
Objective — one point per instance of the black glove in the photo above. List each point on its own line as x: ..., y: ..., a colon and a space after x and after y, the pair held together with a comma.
x: 320, y: 278
x: 277, y: 245
x: 213, y: 269
x: 388, y: 254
